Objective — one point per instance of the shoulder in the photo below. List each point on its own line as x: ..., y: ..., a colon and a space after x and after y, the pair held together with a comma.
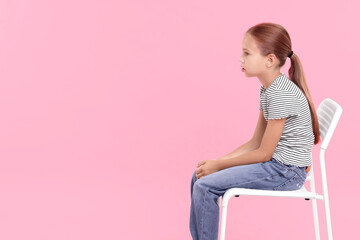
x: 283, y: 83
x: 284, y: 87
x: 284, y: 94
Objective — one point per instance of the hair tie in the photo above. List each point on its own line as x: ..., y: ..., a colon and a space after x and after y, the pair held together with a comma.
x: 290, y: 54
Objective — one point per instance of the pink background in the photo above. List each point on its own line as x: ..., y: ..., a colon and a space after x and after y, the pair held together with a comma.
x: 106, y: 107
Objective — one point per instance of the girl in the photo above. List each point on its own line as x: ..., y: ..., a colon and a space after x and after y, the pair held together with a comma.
x: 278, y: 155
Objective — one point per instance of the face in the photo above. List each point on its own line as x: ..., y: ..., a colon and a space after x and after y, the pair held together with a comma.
x: 252, y: 62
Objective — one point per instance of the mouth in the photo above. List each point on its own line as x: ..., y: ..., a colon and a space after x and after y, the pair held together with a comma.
x: 243, y: 69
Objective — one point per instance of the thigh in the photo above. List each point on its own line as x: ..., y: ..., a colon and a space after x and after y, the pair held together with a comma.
x: 257, y: 176
x: 270, y: 175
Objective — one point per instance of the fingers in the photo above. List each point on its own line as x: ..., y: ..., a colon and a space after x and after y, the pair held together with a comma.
x: 199, y: 173
x: 201, y: 163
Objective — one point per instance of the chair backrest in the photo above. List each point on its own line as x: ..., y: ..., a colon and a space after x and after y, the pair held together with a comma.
x: 328, y: 113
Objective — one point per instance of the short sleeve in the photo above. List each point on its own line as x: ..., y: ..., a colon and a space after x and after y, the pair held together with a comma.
x: 283, y: 104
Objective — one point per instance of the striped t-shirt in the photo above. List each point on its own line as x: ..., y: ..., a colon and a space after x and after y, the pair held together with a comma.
x: 282, y: 99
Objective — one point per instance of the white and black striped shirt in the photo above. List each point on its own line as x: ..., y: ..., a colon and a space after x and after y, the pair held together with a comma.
x: 283, y: 99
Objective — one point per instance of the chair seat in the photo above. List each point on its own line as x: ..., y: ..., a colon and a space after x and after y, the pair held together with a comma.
x: 301, y: 193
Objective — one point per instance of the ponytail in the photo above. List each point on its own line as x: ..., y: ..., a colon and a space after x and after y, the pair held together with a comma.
x: 296, y: 74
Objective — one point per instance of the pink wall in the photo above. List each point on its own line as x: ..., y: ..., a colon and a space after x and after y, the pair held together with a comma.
x: 107, y: 107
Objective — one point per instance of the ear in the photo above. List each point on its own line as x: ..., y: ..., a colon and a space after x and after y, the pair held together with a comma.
x: 271, y: 59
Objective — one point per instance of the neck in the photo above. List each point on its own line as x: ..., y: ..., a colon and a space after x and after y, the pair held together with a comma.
x: 267, y: 78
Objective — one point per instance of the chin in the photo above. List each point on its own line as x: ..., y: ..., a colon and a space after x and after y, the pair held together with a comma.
x: 248, y: 74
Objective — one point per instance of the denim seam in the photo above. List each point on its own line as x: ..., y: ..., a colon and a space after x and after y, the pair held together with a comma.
x: 283, y: 164
x: 299, y: 173
x: 252, y: 181
x: 287, y: 181
x: 295, y: 169
x: 285, y: 167
x: 302, y: 178
x: 202, y: 214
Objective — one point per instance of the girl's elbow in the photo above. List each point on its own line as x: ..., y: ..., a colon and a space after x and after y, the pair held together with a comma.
x: 265, y: 155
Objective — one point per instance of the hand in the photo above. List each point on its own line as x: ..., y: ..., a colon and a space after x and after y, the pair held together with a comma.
x: 207, y: 167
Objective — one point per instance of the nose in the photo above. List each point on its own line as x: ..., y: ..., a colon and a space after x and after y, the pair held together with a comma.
x: 241, y: 60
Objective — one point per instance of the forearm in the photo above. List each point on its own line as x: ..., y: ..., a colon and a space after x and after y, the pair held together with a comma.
x: 250, y: 157
x: 246, y: 147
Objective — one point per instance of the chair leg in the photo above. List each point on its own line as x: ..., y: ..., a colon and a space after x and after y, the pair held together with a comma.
x: 316, y: 219
x: 328, y: 220
x: 325, y: 193
x: 223, y: 218
x: 314, y: 205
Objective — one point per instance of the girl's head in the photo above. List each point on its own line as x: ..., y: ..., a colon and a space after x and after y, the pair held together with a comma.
x: 266, y: 47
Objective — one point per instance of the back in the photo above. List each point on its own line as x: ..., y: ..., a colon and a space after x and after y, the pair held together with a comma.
x: 283, y: 99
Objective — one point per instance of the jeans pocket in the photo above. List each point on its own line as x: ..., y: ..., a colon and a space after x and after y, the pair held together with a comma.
x: 304, y: 173
x: 280, y: 168
x: 294, y: 183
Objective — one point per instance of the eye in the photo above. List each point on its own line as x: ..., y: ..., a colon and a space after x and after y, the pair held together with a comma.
x: 246, y: 53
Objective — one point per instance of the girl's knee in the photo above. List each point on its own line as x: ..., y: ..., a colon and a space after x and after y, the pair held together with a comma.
x: 198, y: 186
x: 193, y: 181
x: 202, y: 183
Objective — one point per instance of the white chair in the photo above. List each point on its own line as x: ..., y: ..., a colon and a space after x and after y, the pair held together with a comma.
x: 329, y: 113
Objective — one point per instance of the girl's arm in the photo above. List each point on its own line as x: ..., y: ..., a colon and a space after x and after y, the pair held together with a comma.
x: 267, y: 147
x: 246, y: 147
x: 254, y: 142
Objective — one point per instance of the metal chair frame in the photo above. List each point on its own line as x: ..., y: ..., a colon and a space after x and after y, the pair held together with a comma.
x: 329, y: 113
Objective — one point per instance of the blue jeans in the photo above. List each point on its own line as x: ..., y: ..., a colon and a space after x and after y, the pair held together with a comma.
x: 270, y: 175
